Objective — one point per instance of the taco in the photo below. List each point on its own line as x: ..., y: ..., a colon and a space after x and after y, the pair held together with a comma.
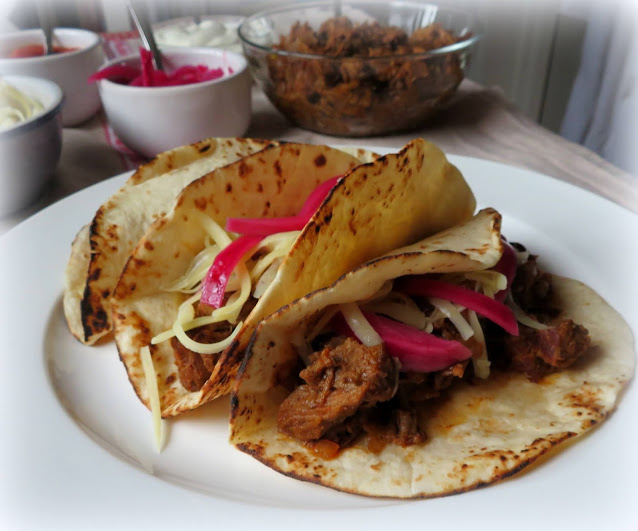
x: 101, y: 248
x: 438, y: 368
x: 171, y: 300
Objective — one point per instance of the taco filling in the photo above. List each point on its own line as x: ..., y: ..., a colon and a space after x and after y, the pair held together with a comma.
x: 254, y: 235
x: 442, y: 366
x: 224, y: 282
x: 375, y: 365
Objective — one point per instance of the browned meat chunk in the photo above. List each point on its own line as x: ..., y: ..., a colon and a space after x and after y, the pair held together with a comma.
x: 194, y: 369
x: 339, y: 381
x: 540, y: 352
x: 532, y: 290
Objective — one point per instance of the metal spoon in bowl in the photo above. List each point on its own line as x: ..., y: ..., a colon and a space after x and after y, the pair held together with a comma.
x: 45, y: 18
x: 146, y: 32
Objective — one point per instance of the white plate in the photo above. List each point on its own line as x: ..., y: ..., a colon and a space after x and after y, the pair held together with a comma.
x: 76, y: 448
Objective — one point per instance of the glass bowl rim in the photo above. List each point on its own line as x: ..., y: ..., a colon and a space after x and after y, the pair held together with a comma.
x: 474, y: 36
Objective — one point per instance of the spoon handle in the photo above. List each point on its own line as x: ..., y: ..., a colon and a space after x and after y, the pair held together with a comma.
x: 146, y: 32
x: 45, y: 18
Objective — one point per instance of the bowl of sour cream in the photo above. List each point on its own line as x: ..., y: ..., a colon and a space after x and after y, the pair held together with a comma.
x: 30, y: 138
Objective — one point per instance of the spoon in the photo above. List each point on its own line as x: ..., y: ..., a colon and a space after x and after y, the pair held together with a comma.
x: 146, y: 33
x: 45, y: 18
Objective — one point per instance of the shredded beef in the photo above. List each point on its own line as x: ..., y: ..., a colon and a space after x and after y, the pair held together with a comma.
x: 194, y: 369
x: 339, y: 380
x: 532, y: 290
x: 540, y: 352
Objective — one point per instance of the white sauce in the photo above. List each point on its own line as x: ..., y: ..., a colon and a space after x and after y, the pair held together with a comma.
x: 214, y: 33
x: 15, y: 106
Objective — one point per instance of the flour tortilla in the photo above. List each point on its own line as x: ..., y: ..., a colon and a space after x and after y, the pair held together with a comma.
x: 99, y: 253
x: 374, y: 208
x: 478, y: 434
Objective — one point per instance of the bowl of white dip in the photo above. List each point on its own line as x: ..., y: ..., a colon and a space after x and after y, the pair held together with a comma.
x: 30, y: 138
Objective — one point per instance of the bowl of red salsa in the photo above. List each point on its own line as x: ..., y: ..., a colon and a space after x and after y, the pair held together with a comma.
x: 77, y: 53
x: 200, y: 93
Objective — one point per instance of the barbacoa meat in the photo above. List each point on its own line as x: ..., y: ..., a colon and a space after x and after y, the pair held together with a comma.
x: 194, y: 369
x: 537, y: 353
x: 339, y: 380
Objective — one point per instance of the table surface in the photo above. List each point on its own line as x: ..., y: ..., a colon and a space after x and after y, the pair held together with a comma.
x: 479, y: 122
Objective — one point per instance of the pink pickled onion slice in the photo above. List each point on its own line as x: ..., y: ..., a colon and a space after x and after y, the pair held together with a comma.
x: 494, y: 310
x: 317, y: 196
x: 214, y: 285
x: 507, y: 266
x: 148, y: 76
x: 266, y: 226
x: 146, y: 58
x: 118, y: 73
x: 415, y: 349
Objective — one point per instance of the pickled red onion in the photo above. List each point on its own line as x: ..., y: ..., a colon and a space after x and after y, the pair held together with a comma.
x: 148, y: 76
x: 266, y: 226
x: 254, y: 230
x: 493, y: 310
x: 214, y: 284
x: 417, y: 350
x: 507, y: 266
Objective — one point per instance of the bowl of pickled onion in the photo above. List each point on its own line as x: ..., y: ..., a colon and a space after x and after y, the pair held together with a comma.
x: 201, y: 92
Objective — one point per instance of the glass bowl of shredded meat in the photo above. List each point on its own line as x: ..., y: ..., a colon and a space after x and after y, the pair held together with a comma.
x: 358, y: 68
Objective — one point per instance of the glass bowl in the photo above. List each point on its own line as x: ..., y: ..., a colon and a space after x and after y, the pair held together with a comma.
x: 358, y: 68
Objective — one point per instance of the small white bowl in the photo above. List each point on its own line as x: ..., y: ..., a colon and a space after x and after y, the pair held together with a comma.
x: 151, y: 120
x: 30, y: 150
x: 70, y: 70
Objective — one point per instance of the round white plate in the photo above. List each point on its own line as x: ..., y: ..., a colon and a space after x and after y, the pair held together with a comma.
x: 76, y: 445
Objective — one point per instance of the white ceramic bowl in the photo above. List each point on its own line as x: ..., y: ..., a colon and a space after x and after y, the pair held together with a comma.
x: 70, y: 70
x: 30, y: 150
x: 150, y: 120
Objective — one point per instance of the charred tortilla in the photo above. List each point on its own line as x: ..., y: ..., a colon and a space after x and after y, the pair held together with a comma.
x: 480, y: 431
x: 99, y: 253
x: 377, y: 198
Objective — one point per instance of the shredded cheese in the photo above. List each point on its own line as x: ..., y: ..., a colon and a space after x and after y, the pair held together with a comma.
x: 190, y: 281
x: 152, y: 391
x: 481, y: 363
x: 402, y: 308
x: 360, y: 325
x: 453, y: 313
x: 240, y: 285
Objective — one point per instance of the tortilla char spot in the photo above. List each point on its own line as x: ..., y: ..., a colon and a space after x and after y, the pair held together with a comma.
x: 260, y: 188
x: 229, y: 188
x: 201, y: 203
x: 320, y: 160
x: 327, y: 218
x: 95, y: 274
x: 243, y: 169
x: 106, y: 293
x: 111, y: 231
x: 148, y: 245
x: 352, y: 227
x: 204, y: 149
x: 170, y: 379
